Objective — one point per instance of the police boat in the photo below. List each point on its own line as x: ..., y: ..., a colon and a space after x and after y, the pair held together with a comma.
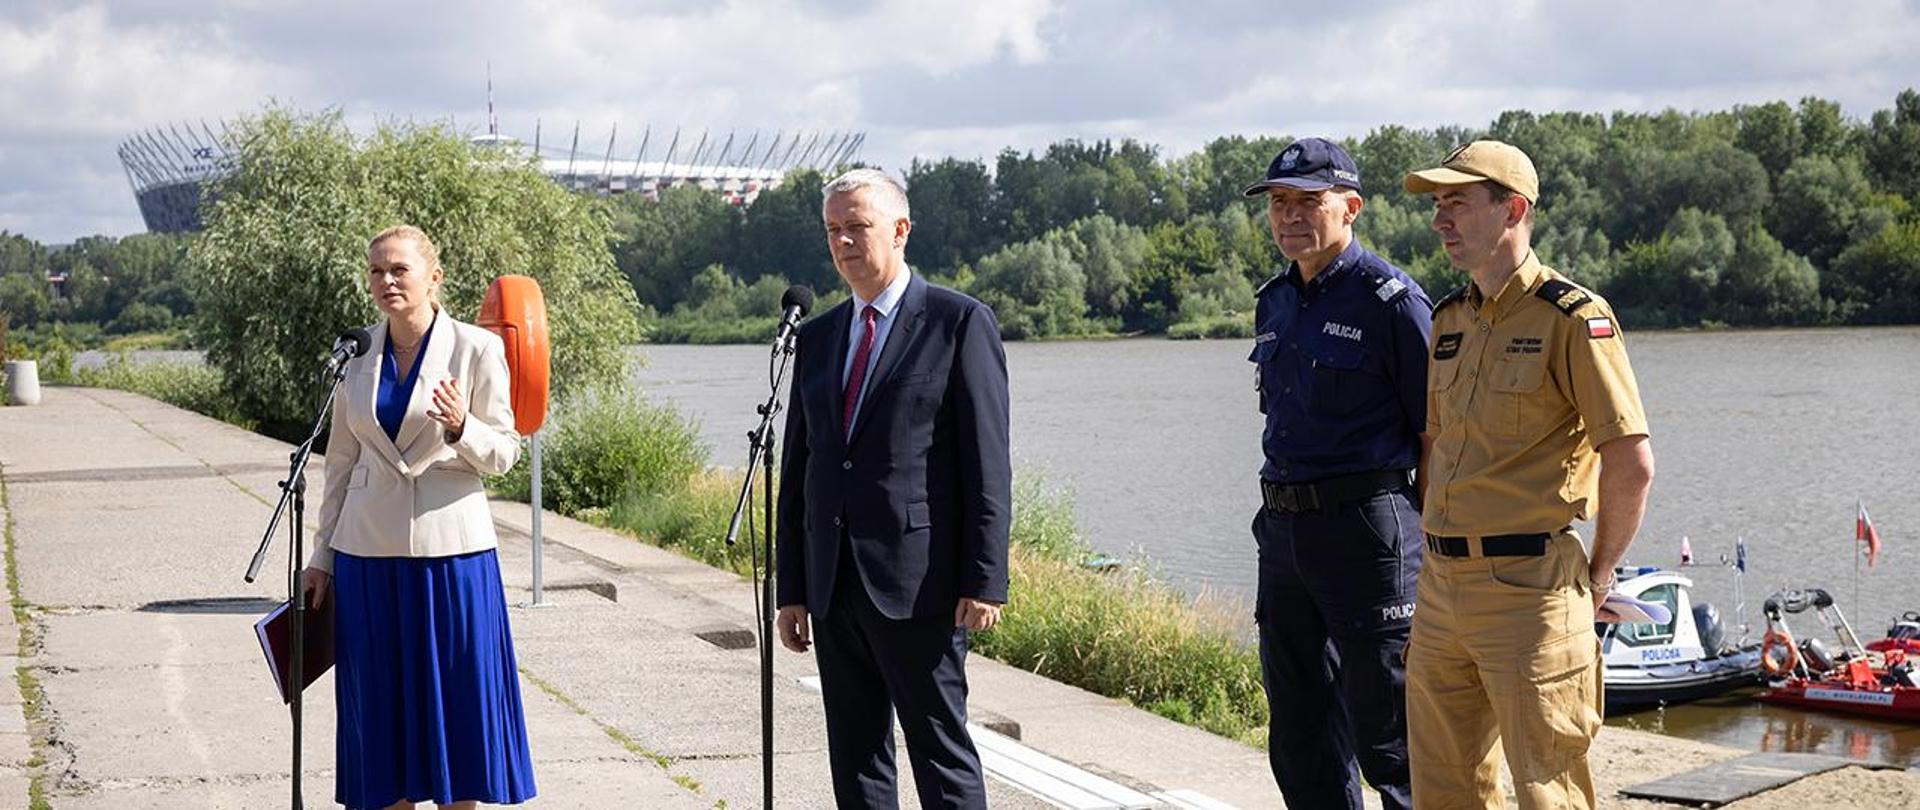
x: 1687, y: 658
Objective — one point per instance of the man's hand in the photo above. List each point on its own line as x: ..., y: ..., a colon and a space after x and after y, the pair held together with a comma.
x: 792, y: 626
x: 1602, y: 585
x: 975, y: 614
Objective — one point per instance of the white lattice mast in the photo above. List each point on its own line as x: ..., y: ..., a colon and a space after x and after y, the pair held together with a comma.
x: 493, y: 122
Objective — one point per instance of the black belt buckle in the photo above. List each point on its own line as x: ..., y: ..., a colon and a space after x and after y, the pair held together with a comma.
x: 1289, y: 497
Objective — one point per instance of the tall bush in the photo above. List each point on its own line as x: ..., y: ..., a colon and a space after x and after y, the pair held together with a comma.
x: 281, y: 266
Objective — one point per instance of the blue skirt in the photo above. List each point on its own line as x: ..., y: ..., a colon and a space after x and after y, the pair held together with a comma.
x: 428, y: 691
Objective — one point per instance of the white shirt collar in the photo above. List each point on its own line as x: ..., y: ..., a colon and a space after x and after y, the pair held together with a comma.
x: 888, y: 299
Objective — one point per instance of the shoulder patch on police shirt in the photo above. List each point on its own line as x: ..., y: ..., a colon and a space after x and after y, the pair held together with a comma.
x: 1563, y: 295
x: 1385, y: 286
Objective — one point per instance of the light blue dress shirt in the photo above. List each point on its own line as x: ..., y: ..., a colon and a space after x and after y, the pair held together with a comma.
x: 884, y: 304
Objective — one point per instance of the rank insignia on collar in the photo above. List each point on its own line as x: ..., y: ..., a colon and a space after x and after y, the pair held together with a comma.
x: 1600, y: 327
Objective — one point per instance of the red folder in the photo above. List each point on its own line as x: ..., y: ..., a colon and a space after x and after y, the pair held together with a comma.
x: 317, y: 639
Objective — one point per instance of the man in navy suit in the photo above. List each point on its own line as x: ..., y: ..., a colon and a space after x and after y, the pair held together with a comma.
x: 895, y: 500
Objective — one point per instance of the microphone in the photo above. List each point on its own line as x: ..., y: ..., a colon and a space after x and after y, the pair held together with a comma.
x: 794, y: 305
x: 351, y: 343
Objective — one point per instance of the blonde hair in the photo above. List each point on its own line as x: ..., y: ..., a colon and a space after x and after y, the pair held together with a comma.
x: 419, y: 237
x: 421, y: 240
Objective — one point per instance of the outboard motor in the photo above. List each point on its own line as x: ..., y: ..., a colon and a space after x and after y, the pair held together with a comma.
x: 1908, y: 628
x: 1706, y: 619
x: 1816, y: 657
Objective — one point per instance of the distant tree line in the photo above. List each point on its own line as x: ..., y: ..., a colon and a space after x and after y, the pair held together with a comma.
x: 121, y: 285
x: 1764, y: 215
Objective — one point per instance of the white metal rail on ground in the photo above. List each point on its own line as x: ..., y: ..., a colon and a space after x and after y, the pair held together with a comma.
x: 1063, y: 784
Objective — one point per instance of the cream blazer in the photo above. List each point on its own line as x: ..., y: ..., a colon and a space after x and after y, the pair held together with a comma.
x: 419, y: 496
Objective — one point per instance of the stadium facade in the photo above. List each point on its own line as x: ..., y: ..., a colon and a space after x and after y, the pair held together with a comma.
x: 170, y: 167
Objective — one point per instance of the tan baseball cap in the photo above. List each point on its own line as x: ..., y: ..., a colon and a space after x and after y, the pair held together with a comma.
x: 1502, y: 163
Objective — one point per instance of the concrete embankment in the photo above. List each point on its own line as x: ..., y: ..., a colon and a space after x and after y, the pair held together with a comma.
x: 139, y: 682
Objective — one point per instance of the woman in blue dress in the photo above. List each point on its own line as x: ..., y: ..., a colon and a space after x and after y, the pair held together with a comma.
x: 428, y: 692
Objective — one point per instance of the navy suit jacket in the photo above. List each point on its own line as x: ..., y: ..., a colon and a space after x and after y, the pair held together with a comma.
x: 922, y: 489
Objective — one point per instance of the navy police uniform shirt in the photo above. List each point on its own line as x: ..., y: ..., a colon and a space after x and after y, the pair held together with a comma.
x: 1342, y: 368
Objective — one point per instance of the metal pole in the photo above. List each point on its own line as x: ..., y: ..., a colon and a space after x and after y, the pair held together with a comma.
x: 539, y: 599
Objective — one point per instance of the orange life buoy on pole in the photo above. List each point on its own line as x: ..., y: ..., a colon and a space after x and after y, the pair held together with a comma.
x: 515, y: 310
x: 1778, y: 666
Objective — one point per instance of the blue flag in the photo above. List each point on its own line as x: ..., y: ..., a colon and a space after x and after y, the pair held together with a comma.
x: 1740, y: 554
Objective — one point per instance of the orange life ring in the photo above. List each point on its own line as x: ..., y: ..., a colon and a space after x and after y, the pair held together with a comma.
x: 515, y: 310
x: 1780, y: 666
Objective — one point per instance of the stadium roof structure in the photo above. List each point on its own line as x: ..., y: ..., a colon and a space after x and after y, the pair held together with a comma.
x: 170, y: 167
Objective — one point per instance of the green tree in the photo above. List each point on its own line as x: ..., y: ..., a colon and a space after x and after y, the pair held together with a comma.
x: 1582, y: 254
x: 1767, y: 284
x: 1892, y: 146
x: 1216, y: 174
x: 22, y: 256
x: 660, y: 244
x: 781, y: 234
x: 1386, y: 155
x: 952, y: 208
x: 1035, y: 287
x: 1819, y: 204
x: 140, y: 316
x: 280, y: 268
x: 1770, y: 132
x: 1824, y: 128
x: 24, y: 301
x: 1671, y: 281
x: 1110, y: 253
x: 1878, y: 280
x: 1399, y: 232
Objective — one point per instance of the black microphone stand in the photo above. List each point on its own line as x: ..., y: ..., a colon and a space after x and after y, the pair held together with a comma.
x: 760, y: 444
x: 294, y: 490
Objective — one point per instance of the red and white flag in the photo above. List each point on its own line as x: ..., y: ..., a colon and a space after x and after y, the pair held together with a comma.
x: 1863, y: 531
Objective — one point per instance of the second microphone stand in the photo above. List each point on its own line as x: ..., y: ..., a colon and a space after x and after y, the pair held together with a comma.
x: 760, y: 455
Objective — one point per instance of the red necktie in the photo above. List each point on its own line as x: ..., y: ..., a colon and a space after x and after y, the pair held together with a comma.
x: 858, y: 376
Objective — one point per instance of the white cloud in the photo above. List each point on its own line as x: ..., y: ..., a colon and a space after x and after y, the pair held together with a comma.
x: 924, y: 79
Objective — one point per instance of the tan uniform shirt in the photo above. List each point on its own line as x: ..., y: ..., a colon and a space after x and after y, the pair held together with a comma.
x: 1520, y: 390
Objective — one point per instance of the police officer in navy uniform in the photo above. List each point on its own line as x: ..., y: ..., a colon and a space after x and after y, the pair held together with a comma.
x: 1341, y: 349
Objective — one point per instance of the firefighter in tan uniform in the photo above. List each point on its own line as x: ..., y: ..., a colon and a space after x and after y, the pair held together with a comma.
x: 1533, y: 422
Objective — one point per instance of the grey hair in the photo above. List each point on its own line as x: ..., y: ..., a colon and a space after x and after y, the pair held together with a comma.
x: 891, y: 195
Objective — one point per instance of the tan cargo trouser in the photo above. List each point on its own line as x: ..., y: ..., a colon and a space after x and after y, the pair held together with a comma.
x: 1503, y: 651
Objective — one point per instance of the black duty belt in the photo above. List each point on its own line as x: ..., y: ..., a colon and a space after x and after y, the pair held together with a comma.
x: 1497, y: 545
x: 1331, y: 492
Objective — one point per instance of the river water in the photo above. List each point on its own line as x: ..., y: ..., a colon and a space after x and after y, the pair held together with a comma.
x: 1768, y: 435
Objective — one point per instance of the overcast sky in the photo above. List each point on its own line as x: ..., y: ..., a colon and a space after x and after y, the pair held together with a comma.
x: 922, y: 78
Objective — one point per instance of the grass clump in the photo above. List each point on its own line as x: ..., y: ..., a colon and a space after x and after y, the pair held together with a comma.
x: 193, y: 386
x: 691, y: 520
x: 599, y: 447
x: 1125, y: 634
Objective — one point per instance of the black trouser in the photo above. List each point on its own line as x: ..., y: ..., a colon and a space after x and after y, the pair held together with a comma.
x: 869, y: 665
x: 1334, y: 607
